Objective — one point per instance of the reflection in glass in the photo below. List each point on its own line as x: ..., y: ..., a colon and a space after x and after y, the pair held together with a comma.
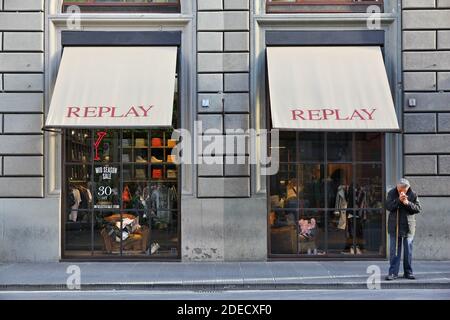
x: 311, y: 146
x: 369, y: 189
x: 287, y: 147
x: 339, y: 146
x: 368, y: 146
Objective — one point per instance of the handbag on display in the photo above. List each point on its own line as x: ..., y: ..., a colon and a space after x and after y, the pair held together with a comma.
x: 156, y: 142
x: 171, y: 143
x: 157, y: 173
x: 171, y: 174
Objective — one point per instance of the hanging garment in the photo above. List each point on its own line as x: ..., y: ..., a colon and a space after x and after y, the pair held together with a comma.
x: 341, y: 207
x: 74, y: 213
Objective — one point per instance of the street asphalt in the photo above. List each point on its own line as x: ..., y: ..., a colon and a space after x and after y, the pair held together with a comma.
x: 352, y: 294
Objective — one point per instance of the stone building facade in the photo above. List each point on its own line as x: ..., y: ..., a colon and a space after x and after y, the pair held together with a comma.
x: 224, y: 208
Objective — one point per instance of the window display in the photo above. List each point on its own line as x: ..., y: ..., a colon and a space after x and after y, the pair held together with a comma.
x: 122, y: 194
x: 327, y: 198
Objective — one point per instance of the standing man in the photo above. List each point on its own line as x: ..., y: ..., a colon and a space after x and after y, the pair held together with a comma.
x: 403, y: 204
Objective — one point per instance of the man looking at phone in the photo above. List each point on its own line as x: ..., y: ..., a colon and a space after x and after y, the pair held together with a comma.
x: 403, y: 204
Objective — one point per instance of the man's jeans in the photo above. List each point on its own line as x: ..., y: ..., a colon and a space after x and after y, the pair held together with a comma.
x: 407, y: 243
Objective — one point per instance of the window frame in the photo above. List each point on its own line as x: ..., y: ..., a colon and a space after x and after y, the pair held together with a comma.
x: 125, y: 7
x: 308, y: 6
x: 325, y: 162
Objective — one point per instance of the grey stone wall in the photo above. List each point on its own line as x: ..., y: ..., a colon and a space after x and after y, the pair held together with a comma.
x: 224, y: 221
x: 426, y: 75
x: 223, y: 79
x: 21, y: 98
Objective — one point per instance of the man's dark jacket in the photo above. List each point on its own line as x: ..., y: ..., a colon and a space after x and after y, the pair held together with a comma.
x: 406, y: 213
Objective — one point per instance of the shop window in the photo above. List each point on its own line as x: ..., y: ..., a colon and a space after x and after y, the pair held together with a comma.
x: 152, y: 6
x: 327, y: 197
x: 121, y: 193
x: 324, y: 6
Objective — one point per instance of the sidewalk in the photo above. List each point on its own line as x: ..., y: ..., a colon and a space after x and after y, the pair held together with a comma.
x: 218, y: 276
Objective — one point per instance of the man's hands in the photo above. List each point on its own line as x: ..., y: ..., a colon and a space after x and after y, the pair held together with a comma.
x: 403, y: 198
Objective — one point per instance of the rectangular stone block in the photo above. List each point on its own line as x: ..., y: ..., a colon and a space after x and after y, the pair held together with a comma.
x: 23, y: 166
x: 439, y: 101
x: 236, y: 82
x: 443, y: 37
x: 443, y: 80
x: 21, y: 102
x: 444, y: 164
x: 419, y: 81
x: 227, y: 20
x: 25, y: 187
x: 237, y: 166
x: 431, y: 186
x: 427, y: 143
x: 237, y: 41
x: 413, y: 4
x: 223, y: 187
x: 444, y: 122
x: 210, y: 166
x: 426, y: 60
x: 236, y: 4
x: 21, y: 144
x: 23, y: 5
x: 237, y: 102
x: 23, y: 123
x: 223, y: 62
x: 24, y: 82
x: 419, y: 40
x: 426, y: 19
x: 236, y: 123
x: 24, y: 41
x: 210, y: 82
x: 210, y: 41
x: 215, y: 102
x: 443, y: 3
x: 21, y: 62
x: 420, y: 165
x: 209, y: 5
x: 211, y: 124
x: 420, y: 122
x: 26, y: 21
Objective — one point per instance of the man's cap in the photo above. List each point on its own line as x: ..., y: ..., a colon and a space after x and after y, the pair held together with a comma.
x: 403, y: 182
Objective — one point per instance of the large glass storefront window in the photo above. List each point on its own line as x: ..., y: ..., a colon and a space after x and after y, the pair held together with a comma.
x: 327, y: 198
x: 122, y: 195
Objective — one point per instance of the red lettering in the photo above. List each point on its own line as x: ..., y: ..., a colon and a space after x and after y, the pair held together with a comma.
x: 90, y: 110
x: 103, y: 110
x: 338, y: 117
x: 326, y: 113
x: 73, y: 111
x: 297, y: 114
x: 100, y: 136
x: 145, y: 110
x: 314, y: 115
x: 131, y: 111
x: 356, y: 114
x: 370, y: 114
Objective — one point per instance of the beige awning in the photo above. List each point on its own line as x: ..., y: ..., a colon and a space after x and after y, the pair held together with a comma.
x: 330, y: 88
x: 114, y: 87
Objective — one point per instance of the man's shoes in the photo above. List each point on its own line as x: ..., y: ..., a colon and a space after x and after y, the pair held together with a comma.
x: 391, y: 277
x: 409, y: 276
